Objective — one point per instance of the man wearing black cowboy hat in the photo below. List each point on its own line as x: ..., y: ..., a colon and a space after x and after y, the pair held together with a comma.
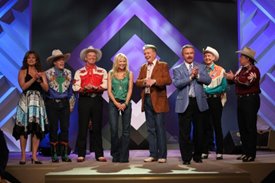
x: 59, y: 103
x: 247, y: 84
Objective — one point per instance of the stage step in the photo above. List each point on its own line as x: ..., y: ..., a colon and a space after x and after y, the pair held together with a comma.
x: 157, y: 178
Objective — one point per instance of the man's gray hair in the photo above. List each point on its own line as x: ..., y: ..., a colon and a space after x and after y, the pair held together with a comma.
x: 187, y: 46
x: 149, y: 46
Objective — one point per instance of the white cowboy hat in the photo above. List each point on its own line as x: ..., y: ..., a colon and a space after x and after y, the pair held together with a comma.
x: 213, y: 51
x: 56, y: 53
x: 90, y: 49
x: 248, y: 52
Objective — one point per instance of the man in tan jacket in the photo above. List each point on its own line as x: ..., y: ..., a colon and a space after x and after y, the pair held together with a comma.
x: 153, y: 78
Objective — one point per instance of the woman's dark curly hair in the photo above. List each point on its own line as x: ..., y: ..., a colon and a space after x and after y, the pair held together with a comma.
x: 37, y: 64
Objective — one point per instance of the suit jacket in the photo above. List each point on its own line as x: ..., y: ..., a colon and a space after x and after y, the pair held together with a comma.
x: 182, y: 82
x: 158, y: 91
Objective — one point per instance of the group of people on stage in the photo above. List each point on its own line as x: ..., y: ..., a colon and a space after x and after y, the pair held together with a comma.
x: 201, y: 95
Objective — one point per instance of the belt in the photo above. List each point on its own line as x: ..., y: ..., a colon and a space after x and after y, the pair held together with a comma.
x: 57, y: 100
x: 247, y: 95
x: 91, y: 95
x: 213, y: 95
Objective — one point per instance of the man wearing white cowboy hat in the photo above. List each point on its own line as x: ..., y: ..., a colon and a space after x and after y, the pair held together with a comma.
x: 90, y: 81
x: 247, y: 86
x: 59, y: 103
x: 215, y: 92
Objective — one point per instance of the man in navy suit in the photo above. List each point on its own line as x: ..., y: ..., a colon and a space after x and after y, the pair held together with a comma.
x: 191, y: 101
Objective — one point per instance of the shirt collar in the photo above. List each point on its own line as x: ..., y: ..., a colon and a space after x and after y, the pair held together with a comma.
x: 58, y: 71
x: 188, y: 65
x: 247, y: 66
x: 212, y: 66
x: 90, y: 67
x: 154, y: 62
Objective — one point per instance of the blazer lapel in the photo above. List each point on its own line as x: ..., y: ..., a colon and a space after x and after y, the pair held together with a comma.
x: 185, y: 70
x: 155, y: 70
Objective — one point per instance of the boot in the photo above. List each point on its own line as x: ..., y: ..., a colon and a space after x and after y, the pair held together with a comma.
x: 54, y: 152
x: 64, y: 152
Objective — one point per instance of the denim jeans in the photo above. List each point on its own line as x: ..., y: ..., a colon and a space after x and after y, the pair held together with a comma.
x: 120, y: 145
x: 156, y: 130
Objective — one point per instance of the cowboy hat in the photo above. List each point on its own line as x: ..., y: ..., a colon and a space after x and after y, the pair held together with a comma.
x: 84, y: 52
x: 213, y: 51
x: 56, y: 53
x: 248, y: 52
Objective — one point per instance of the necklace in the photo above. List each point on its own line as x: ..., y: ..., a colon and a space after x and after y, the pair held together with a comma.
x: 120, y: 84
x: 120, y: 77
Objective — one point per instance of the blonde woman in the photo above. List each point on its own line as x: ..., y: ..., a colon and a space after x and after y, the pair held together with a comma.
x: 120, y: 87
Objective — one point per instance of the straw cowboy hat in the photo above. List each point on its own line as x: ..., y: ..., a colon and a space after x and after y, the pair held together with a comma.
x: 248, y: 52
x: 84, y: 52
x: 213, y: 51
x: 58, y: 54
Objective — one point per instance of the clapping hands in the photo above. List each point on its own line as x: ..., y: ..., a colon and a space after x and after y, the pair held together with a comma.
x: 252, y: 76
x: 229, y: 75
x: 38, y: 76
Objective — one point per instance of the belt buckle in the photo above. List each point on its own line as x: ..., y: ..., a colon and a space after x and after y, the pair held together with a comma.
x: 57, y: 100
x: 92, y: 95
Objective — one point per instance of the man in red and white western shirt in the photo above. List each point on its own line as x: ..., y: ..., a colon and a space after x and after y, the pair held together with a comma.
x: 90, y: 82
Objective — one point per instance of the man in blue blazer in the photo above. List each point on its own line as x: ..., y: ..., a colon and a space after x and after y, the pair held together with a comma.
x: 191, y: 101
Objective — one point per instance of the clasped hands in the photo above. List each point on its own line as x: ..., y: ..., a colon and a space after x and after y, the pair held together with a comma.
x: 120, y: 106
x: 149, y: 82
x: 91, y: 87
x: 38, y: 76
x: 194, y: 72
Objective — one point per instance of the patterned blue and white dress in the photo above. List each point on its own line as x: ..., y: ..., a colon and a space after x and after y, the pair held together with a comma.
x: 31, y: 117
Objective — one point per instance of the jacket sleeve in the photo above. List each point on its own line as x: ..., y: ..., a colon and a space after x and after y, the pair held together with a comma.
x: 204, y: 78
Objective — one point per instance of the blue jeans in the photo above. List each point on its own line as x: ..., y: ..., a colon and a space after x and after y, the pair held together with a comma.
x: 156, y: 130
x: 120, y: 145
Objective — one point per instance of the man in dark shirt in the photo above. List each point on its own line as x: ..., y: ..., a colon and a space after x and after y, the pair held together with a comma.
x: 247, y: 83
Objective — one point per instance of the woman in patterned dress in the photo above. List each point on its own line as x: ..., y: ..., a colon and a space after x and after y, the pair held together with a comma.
x: 31, y: 117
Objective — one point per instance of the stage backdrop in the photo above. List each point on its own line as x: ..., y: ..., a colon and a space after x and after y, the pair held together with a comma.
x: 125, y: 26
